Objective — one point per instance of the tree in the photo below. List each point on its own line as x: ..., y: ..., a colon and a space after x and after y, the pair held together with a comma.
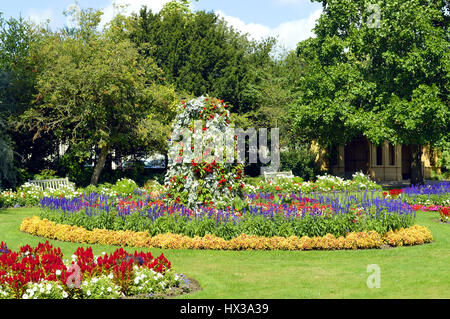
x: 95, y: 91
x: 18, y: 81
x: 200, y: 54
x: 388, y: 80
x: 7, y: 175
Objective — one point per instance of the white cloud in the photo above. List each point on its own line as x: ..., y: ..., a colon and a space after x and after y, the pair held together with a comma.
x: 132, y: 6
x: 288, y: 33
x: 39, y: 16
x: 255, y: 30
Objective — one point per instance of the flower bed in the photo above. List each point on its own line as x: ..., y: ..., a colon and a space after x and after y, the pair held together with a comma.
x: 29, y: 195
x: 414, y: 235
x: 428, y: 198
x: 41, y: 273
x: 325, y: 183
x: 264, y: 214
x: 436, y: 194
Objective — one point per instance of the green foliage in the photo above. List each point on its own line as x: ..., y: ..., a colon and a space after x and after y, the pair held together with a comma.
x: 96, y: 91
x: 301, y: 161
x: 389, y: 83
x: 46, y: 174
x: 17, y: 91
x: 7, y: 170
x: 250, y: 224
x: 202, y: 55
x: 444, y: 158
x: 125, y: 186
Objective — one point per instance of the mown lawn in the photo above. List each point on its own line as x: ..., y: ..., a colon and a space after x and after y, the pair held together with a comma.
x: 406, y: 272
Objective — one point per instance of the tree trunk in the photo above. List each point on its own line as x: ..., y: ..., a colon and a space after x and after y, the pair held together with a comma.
x: 416, y: 165
x: 99, y: 165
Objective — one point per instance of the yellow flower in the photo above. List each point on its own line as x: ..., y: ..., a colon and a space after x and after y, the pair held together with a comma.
x: 415, y: 235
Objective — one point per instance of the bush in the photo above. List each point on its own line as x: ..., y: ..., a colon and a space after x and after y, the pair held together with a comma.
x: 301, y: 162
x: 45, y: 174
x: 444, y: 159
x: 125, y: 186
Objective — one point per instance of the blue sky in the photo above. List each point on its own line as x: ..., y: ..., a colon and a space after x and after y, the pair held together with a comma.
x: 289, y: 20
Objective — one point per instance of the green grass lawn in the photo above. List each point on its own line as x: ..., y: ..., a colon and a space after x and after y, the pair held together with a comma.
x: 406, y: 272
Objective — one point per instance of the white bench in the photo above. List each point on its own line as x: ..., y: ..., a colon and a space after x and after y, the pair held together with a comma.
x: 278, y: 175
x: 51, y: 183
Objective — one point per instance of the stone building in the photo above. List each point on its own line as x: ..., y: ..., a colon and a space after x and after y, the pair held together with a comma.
x: 385, y: 162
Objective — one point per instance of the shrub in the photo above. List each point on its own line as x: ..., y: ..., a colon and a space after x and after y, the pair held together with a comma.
x: 301, y: 161
x: 125, y: 186
x: 45, y: 174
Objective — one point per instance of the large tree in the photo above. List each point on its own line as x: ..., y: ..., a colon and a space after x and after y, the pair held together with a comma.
x: 17, y: 89
x: 96, y: 93
x: 382, y: 71
x: 200, y: 54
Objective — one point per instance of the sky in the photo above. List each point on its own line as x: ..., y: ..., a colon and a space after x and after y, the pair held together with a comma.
x: 289, y: 20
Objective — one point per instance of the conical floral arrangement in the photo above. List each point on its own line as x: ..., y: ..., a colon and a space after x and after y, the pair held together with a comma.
x: 203, y: 168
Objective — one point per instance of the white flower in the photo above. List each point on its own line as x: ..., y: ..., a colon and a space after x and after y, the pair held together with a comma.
x: 88, y: 293
x: 25, y: 296
x: 65, y: 295
x: 58, y: 272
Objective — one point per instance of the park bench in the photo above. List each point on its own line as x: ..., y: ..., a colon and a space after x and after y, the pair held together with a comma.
x: 51, y: 183
x: 270, y: 176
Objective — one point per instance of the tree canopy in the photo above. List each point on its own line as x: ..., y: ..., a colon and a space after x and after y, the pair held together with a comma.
x: 200, y: 54
x: 388, y: 81
x: 96, y: 92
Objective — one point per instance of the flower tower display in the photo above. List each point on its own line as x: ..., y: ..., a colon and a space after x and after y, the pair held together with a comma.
x: 203, y: 169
